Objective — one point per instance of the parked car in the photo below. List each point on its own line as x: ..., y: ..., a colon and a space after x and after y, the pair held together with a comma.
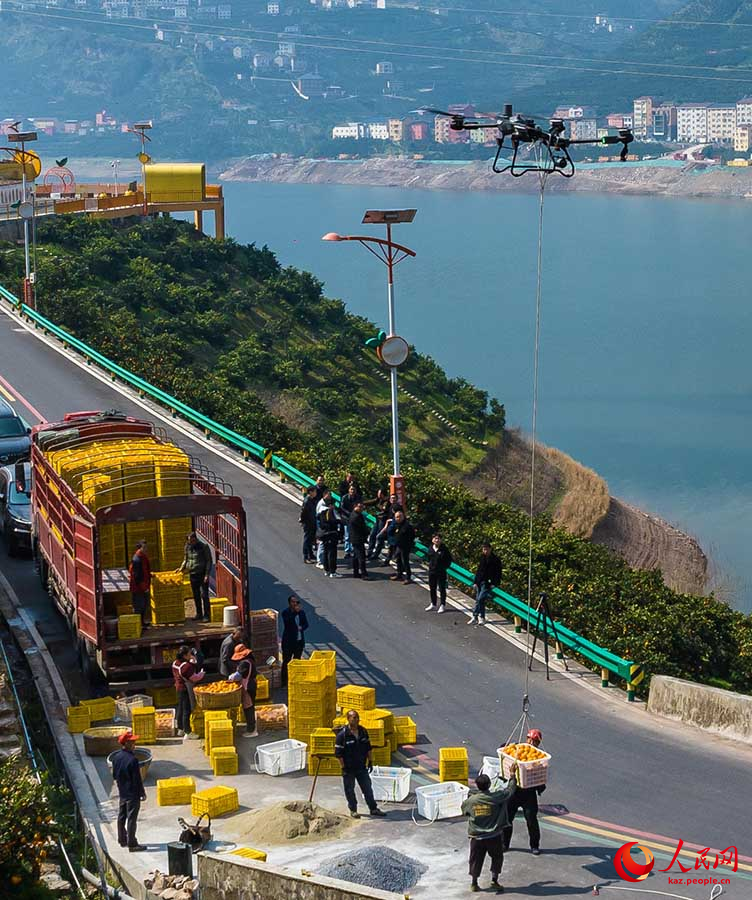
x: 15, y: 507
x: 15, y: 442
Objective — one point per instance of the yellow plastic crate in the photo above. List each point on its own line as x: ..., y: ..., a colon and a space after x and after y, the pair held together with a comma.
x: 453, y: 754
x: 307, y: 670
x: 197, y: 722
x: 79, y: 719
x: 163, y: 696
x: 356, y: 696
x: 339, y: 722
x: 375, y: 731
x: 216, y: 801
x: 382, y: 756
x: 249, y: 853
x: 460, y: 775
x: 301, y: 732
x: 311, y: 691
x: 330, y: 765
x: 322, y: 741
x: 262, y: 688
x: 129, y: 627
x: 369, y: 717
x: 101, y: 709
x: 216, y: 715
x: 175, y: 791
x: 224, y: 761
x: 322, y: 710
x: 330, y: 657
x: 144, y: 723
x: 216, y: 607
x: 405, y: 729
x: 218, y: 734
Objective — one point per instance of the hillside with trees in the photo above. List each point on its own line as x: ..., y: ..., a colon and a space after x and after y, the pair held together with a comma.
x: 259, y: 348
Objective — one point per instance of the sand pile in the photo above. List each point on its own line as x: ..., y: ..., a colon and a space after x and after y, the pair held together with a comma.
x: 376, y: 867
x: 293, y: 820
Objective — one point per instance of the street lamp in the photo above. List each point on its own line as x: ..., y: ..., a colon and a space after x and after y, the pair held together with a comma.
x: 115, y: 164
x: 393, y: 350
x: 140, y: 129
x: 26, y: 207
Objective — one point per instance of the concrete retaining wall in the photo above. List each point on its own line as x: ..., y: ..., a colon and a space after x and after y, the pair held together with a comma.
x: 708, y: 708
x: 225, y: 877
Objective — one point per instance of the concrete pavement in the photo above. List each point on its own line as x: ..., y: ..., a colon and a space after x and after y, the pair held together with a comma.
x: 612, y: 762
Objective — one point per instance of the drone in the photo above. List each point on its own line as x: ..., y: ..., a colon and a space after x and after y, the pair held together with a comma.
x: 521, y: 129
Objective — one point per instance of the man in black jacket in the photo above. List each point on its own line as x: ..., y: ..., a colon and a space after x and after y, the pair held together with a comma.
x: 352, y: 747
x: 308, y: 523
x: 439, y: 560
x: 358, y: 535
x: 127, y: 775
x: 487, y: 577
x: 401, y: 537
x: 294, y: 626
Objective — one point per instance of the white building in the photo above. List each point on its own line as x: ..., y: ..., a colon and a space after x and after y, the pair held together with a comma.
x: 722, y: 122
x: 353, y: 130
x: 378, y: 130
x: 744, y: 111
x: 692, y: 122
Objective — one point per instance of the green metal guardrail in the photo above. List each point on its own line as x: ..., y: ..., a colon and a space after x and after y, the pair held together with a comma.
x: 609, y: 663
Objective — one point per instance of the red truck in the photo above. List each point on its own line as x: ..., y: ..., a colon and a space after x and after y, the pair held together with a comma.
x: 77, y: 506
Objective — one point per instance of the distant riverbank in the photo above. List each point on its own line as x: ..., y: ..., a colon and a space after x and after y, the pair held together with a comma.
x: 690, y: 180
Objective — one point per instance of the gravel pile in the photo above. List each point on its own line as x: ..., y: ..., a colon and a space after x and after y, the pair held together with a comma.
x: 376, y: 867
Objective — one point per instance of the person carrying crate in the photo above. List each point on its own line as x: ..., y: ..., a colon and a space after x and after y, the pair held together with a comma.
x: 526, y: 799
x: 487, y: 812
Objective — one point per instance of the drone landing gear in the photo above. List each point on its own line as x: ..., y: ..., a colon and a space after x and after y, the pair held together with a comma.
x: 554, y: 159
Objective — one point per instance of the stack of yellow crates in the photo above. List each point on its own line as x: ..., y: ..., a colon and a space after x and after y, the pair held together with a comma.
x: 224, y: 760
x: 167, y: 603
x: 453, y: 764
x: 312, y: 695
x: 218, y: 733
x: 106, y: 472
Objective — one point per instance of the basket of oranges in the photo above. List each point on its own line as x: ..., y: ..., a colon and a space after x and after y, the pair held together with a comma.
x: 218, y: 695
x: 532, y: 764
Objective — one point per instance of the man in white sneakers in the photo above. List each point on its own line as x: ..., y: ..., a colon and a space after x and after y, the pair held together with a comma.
x: 439, y: 560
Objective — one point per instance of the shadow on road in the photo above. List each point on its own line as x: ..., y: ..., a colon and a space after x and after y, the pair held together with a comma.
x: 353, y: 665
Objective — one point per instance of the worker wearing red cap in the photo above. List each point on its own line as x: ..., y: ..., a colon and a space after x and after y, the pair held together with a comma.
x: 526, y: 799
x: 127, y: 774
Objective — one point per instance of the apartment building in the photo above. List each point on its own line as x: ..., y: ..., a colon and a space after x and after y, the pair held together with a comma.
x: 692, y: 122
x: 722, y: 123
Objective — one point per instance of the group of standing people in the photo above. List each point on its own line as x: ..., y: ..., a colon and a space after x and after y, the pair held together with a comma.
x: 324, y: 524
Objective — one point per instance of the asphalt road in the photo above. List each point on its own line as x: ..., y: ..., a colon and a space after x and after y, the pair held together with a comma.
x: 612, y: 762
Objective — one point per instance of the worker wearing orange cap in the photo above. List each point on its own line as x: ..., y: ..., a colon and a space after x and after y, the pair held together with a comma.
x: 127, y: 774
x: 526, y: 799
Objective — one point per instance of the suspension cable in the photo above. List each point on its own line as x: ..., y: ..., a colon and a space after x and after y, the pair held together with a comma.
x: 542, y: 179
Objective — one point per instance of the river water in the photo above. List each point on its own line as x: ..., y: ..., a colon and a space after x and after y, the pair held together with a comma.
x: 646, y: 327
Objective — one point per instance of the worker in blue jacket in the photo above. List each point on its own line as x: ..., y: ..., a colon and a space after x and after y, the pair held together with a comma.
x: 127, y: 774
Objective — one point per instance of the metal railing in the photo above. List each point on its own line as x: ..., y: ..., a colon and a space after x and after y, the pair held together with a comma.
x: 609, y: 663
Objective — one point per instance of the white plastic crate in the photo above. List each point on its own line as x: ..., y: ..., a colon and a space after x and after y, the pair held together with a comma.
x: 281, y: 757
x: 529, y: 774
x: 390, y: 783
x: 491, y: 767
x: 441, y: 801
x: 124, y: 705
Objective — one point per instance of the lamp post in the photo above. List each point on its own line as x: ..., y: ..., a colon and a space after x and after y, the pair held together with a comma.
x: 26, y: 208
x: 115, y: 166
x: 393, y: 350
x: 140, y: 129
